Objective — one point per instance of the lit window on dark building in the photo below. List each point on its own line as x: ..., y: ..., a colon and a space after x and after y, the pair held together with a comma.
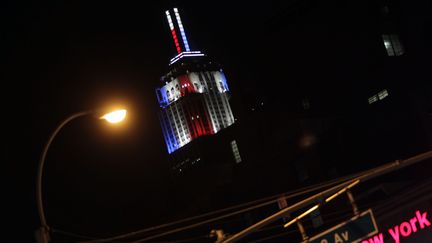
x: 372, y: 99
x: 380, y: 96
x: 235, y: 151
x: 393, y: 45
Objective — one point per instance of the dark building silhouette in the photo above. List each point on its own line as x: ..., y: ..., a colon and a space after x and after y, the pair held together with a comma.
x: 356, y: 92
x: 350, y: 91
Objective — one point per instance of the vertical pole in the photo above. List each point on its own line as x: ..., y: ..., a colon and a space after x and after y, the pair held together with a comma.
x: 302, y: 231
x: 282, y: 203
x: 42, y: 234
x: 353, y: 203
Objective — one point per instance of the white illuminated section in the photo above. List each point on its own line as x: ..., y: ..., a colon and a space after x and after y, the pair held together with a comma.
x: 186, y: 54
x: 173, y: 32
x: 171, y: 25
x: 182, y: 32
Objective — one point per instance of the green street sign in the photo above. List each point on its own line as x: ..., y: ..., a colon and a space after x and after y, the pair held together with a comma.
x: 353, y: 230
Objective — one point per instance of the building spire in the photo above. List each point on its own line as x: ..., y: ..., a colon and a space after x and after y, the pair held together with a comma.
x: 182, y: 32
x: 182, y: 50
x: 173, y: 32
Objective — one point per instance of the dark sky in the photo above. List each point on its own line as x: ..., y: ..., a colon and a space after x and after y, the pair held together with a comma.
x: 66, y: 56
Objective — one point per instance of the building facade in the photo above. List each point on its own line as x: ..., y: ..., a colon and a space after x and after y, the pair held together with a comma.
x: 194, y: 103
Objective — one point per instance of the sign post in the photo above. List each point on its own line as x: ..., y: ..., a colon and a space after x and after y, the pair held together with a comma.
x: 352, y: 230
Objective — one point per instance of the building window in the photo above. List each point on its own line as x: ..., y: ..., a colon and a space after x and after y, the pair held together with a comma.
x: 372, y: 99
x: 235, y: 151
x: 393, y: 45
x: 380, y: 96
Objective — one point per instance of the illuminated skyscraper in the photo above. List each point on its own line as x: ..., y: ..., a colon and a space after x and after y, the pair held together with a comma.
x: 193, y: 99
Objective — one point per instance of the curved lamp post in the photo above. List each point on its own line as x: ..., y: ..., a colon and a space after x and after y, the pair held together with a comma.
x: 42, y: 235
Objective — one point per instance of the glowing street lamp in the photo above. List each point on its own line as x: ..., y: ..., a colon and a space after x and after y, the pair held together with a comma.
x: 115, y: 116
x: 42, y: 234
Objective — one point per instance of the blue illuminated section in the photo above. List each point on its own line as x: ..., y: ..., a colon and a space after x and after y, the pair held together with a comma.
x: 182, y: 32
x: 224, y: 81
x: 167, y: 130
x: 162, y: 97
x: 168, y: 133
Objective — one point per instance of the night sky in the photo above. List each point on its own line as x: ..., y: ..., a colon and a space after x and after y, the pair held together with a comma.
x: 67, y: 56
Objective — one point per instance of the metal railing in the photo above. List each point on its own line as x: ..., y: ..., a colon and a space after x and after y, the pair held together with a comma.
x: 370, y: 174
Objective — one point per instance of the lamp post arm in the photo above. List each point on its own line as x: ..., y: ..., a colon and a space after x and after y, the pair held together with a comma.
x: 42, y: 162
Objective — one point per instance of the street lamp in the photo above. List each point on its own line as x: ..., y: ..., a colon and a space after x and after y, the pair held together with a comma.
x: 42, y: 234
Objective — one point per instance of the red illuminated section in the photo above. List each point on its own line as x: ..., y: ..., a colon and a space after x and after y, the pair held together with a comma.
x: 197, y: 118
x: 174, y: 35
x: 186, y: 85
x: 173, y: 32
